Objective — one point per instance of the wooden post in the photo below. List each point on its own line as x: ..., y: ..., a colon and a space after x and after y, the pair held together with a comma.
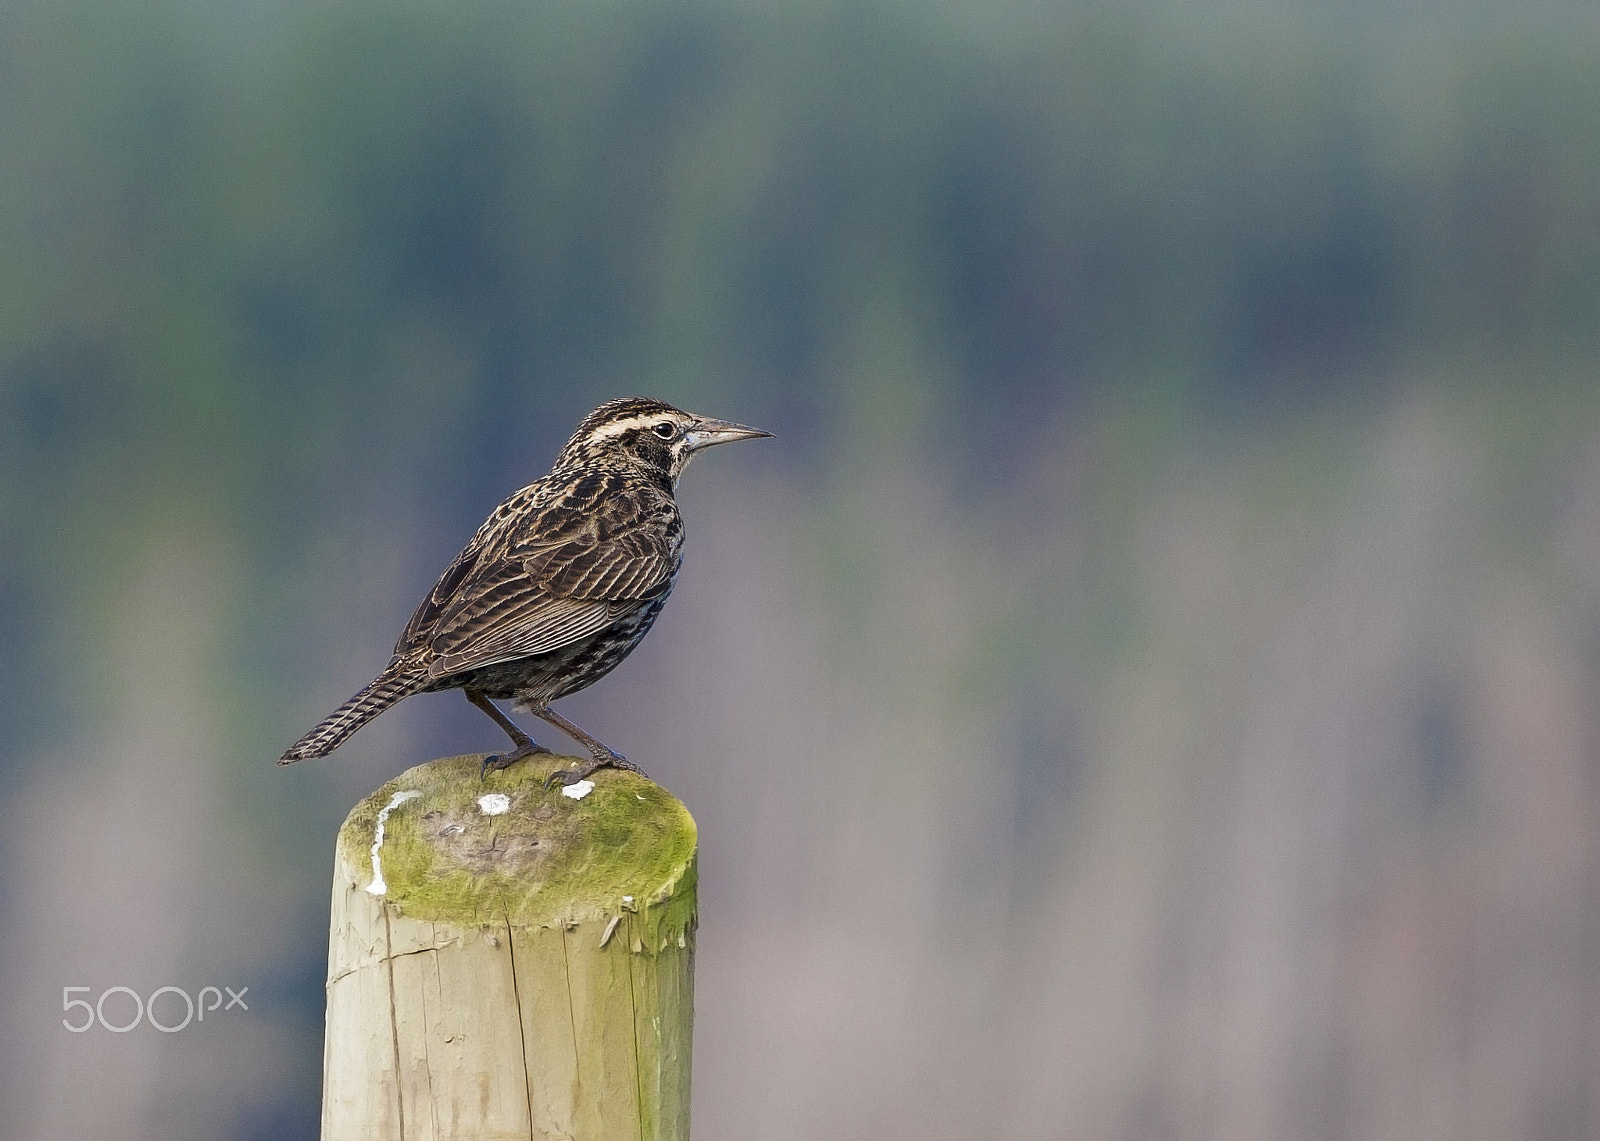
x: 507, y: 962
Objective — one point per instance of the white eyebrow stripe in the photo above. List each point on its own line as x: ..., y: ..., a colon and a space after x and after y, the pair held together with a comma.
x: 617, y: 428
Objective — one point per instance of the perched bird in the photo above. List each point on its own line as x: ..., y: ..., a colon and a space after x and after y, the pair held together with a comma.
x: 559, y: 584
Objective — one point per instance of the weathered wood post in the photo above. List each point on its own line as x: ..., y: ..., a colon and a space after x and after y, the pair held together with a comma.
x: 507, y: 962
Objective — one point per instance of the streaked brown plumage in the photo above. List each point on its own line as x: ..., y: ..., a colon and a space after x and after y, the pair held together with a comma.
x: 558, y: 585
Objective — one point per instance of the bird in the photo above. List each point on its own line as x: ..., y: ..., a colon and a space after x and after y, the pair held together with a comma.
x: 559, y: 584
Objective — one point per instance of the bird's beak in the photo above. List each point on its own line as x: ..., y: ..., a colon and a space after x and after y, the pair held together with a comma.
x: 707, y: 432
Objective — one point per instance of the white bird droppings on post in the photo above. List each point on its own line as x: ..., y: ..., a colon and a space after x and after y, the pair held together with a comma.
x: 579, y: 789
x: 377, y: 886
x: 494, y: 803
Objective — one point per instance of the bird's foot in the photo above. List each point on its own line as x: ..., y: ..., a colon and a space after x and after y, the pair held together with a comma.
x: 608, y: 760
x: 494, y: 762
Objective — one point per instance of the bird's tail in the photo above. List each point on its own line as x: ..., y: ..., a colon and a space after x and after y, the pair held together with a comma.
x: 386, y: 689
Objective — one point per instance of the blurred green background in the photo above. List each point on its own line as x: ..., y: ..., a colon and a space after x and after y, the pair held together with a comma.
x: 1148, y: 688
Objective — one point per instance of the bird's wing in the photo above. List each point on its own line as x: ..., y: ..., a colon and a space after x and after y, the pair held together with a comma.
x: 569, y: 570
x: 477, y: 557
x: 419, y: 630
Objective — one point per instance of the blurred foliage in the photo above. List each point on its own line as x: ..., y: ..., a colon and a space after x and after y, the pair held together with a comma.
x: 275, y: 251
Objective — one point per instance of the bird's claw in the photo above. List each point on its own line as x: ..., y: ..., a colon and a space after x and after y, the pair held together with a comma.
x: 496, y: 761
x: 583, y: 772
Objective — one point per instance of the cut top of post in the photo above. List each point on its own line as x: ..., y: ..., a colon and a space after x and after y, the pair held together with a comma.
x: 444, y: 846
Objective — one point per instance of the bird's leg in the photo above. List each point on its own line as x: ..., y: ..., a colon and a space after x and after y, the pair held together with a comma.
x: 526, y: 746
x: 604, y: 758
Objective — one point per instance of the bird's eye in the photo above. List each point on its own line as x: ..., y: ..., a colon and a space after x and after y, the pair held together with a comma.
x: 666, y: 429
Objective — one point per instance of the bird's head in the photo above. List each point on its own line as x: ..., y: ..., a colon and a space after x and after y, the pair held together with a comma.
x: 641, y: 432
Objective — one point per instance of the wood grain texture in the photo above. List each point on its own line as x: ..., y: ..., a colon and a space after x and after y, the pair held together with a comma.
x: 500, y: 1014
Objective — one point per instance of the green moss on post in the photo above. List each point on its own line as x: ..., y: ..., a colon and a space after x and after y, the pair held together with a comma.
x: 507, y: 962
